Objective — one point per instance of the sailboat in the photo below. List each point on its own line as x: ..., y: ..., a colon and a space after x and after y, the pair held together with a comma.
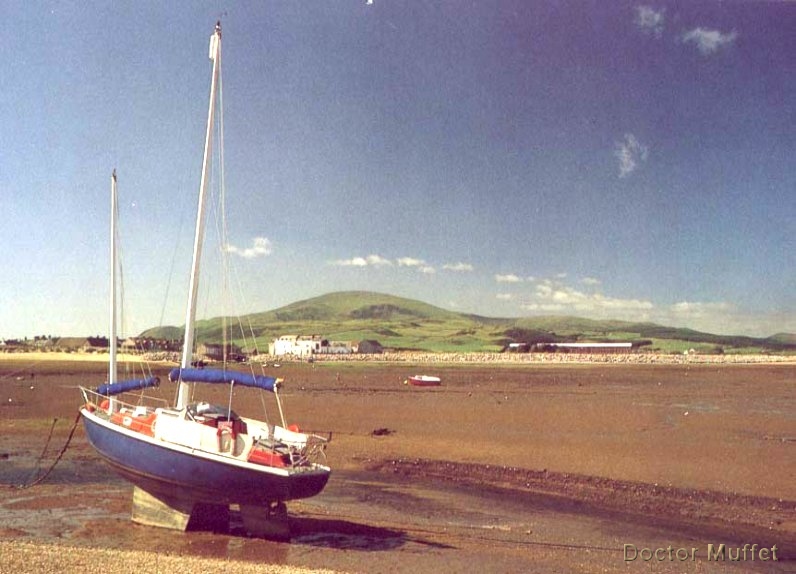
x: 191, y: 462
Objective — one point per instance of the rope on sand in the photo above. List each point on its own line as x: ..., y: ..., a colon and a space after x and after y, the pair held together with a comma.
x: 42, y: 477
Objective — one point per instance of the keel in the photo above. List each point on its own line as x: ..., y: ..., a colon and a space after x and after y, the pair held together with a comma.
x: 269, y: 521
x: 178, y: 514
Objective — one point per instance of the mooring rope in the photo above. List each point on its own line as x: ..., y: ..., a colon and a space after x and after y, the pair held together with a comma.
x: 36, y: 469
x: 58, y: 458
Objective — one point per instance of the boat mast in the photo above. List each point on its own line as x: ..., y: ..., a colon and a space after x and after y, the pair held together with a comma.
x: 190, y: 313
x: 112, y: 318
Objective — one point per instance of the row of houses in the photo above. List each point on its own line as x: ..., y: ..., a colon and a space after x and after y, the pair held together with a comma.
x: 286, y: 345
x: 89, y: 344
x: 70, y: 344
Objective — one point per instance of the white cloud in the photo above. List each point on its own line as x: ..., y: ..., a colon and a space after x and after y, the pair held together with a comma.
x: 410, y: 262
x: 261, y: 246
x: 630, y: 152
x: 418, y: 264
x: 508, y: 278
x: 460, y: 267
x: 558, y: 297
x: 650, y: 20
x: 709, y: 41
x: 590, y: 281
x: 546, y: 307
x: 369, y: 261
x: 724, y: 318
x: 379, y: 261
x: 689, y: 309
x: 713, y: 317
x: 732, y: 321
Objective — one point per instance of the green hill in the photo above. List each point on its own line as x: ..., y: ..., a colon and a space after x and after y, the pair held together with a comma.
x: 405, y: 324
x: 783, y: 339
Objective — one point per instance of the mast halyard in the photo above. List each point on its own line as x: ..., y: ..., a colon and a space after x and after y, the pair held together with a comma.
x: 190, y: 313
x: 112, y: 318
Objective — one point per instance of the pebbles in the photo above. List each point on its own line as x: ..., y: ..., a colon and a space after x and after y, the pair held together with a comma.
x: 27, y: 557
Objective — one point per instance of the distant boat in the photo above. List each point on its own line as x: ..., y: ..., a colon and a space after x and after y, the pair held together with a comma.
x: 424, y: 381
x: 192, y: 460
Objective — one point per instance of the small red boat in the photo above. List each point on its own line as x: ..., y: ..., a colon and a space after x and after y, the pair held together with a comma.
x: 424, y: 381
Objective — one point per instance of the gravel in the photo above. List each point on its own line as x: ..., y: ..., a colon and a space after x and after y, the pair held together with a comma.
x: 41, y: 558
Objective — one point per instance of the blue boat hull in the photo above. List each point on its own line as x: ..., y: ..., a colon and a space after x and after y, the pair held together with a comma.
x: 168, y: 471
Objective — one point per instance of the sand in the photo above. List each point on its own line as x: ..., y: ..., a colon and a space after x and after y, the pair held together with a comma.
x: 537, y: 467
x: 34, y: 357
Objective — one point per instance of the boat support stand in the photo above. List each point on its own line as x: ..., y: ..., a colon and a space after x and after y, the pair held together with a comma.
x: 269, y: 521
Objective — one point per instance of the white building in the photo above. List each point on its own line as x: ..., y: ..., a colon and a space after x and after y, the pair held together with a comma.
x: 306, y: 345
x: 297, y: 345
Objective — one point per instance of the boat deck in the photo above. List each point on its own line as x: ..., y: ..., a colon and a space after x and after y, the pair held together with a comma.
x: 210, y: 431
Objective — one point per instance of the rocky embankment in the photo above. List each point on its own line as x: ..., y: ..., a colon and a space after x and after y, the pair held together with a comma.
x: 542, y: 358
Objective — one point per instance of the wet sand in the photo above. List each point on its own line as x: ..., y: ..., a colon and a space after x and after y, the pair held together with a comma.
x: 532, y: 468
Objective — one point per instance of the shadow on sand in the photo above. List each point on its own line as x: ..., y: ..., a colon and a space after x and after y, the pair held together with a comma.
x: 347, y: 535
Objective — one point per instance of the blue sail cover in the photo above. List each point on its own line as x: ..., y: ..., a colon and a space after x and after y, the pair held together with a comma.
x: 126, y: 386
x: 219, y: 376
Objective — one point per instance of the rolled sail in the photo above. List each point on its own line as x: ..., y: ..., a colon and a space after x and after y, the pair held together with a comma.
x: 219, y: 376
x: 127, y: 386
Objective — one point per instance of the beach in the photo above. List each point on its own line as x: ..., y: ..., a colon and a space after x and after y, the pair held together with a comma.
x: 513, y: 466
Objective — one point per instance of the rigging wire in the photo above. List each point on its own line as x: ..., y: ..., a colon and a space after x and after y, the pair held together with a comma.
x: 217, y: 206
x: 230, y: 309
x: 145, y: 367
x: 234, y: 312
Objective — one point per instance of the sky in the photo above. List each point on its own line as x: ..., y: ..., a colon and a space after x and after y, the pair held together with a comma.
x: 622, y: 160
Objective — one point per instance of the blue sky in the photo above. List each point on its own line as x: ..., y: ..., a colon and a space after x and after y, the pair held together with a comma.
x: 510, y: 158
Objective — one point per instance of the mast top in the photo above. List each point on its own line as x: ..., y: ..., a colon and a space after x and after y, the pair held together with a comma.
x: 215, y: 42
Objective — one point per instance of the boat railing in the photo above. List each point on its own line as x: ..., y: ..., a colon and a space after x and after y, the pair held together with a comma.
x: 106, y: 406
x: 300, y: 449
x: 314, y: 451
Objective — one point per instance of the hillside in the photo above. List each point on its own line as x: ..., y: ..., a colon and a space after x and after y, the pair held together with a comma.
x: 402, y: 323
x: 356, y: 315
